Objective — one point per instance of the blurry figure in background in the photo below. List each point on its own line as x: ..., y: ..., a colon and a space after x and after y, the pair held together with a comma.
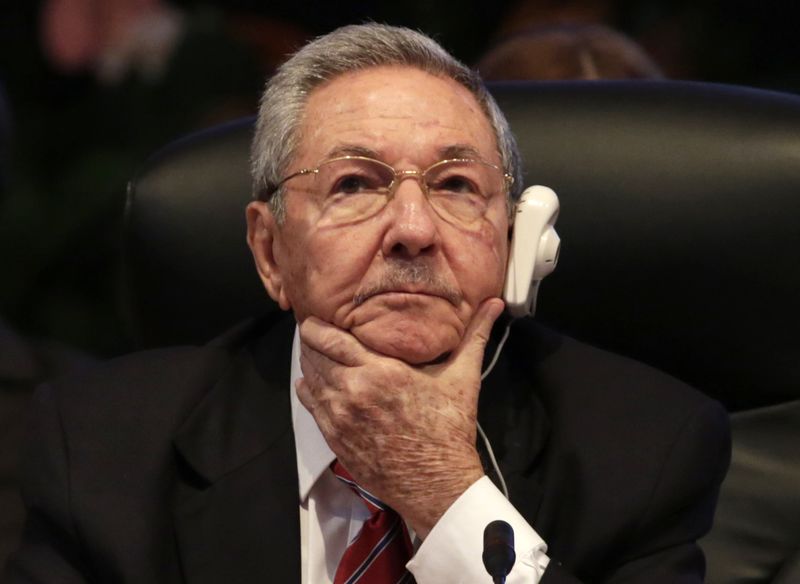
x: 568, y: 51
x: 109, y: 82
x: 111, y: 37
x: 148, y: 41
x: 522, y: 15
x: 23, y: 365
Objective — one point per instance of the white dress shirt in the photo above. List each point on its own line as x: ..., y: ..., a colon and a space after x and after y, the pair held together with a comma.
x: 331, y: 515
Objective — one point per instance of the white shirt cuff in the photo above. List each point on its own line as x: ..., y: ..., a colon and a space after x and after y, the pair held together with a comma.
x: 453, y: 550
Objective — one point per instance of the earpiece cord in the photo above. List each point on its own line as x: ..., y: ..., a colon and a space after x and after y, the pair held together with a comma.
x: 499, y: 348
x: 485, y: 439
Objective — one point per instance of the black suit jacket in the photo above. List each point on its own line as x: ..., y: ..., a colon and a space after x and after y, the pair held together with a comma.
x: 179, y: 465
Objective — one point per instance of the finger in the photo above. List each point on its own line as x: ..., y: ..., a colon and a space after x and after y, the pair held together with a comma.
x: 322, y: 374
x: 314, y: 364
x: 312, y: 399
x: 332, y: 342
x: 477, y: 334
x: 316, y: 408
x: 304, y: 394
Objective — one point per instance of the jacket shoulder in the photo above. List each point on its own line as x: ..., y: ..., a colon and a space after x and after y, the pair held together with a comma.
x: 578, y: 379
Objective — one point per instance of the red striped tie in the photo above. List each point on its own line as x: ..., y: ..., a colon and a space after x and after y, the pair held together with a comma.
x: 379, y: 553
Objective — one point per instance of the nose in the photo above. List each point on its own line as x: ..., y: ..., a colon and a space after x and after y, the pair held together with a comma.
x: 413, y: 230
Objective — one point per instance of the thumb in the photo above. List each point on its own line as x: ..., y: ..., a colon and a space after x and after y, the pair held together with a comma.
x: 478, y: 331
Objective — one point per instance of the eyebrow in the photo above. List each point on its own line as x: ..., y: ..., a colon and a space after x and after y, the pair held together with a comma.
x: 445, y: 152
x: 352, y: 150
x: 459, y: 151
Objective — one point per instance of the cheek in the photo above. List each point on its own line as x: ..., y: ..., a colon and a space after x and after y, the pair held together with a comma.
x: 481, y: 264
x: 327, y: 269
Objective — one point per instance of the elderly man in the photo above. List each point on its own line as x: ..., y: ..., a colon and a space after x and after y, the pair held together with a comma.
x: 384, y: 174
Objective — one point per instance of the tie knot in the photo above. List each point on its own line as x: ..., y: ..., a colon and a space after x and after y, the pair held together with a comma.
x: 371, y: 501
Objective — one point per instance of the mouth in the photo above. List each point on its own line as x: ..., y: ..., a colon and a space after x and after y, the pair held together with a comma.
x: 410, y: 278
x: 445, y: 293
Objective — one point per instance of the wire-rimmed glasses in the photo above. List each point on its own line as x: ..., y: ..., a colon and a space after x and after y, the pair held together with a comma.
x: 353, y: 188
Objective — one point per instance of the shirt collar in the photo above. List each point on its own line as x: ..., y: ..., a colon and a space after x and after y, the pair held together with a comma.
x: 314, y: 455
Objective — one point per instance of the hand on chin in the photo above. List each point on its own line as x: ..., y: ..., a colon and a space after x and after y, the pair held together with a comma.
x: 406, y: 433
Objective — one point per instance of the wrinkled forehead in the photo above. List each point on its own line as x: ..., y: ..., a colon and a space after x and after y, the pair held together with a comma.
x: 394, y: 113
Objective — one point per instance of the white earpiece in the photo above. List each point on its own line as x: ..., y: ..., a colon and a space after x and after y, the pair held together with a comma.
x: 534, y: 249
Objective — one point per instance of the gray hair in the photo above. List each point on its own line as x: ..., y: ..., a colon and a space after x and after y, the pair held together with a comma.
x: 347, y: 49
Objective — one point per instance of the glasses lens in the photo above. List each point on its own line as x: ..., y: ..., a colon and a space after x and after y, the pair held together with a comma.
x: 352, y: 188
x: 460, y: 190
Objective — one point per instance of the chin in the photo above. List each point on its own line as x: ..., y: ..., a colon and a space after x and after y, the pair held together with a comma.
x: 416, y: 336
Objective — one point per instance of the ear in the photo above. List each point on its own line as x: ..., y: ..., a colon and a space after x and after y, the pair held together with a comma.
x: 262, y: 235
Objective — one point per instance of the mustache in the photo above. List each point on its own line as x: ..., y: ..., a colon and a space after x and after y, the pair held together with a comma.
x: 401, y: 275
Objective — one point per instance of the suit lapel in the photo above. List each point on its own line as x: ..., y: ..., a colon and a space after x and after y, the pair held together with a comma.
x: 236, y: 509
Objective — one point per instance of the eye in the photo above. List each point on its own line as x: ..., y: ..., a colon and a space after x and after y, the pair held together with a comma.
x: 455, y: 184
x: 355, y: 178
x: 353, y: 183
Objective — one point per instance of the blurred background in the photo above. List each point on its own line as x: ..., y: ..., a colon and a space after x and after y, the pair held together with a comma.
x: 90, y: 88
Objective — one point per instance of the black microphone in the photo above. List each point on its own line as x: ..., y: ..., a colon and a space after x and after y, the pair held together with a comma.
x: 498, y: 550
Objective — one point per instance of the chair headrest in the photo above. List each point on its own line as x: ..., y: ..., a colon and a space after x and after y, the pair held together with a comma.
x: 678, y: 221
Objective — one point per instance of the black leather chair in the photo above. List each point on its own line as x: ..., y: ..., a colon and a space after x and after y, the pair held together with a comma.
x: 679, y: 222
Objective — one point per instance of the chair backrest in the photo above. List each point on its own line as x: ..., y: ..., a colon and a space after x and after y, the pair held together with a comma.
x: 188, y: 274
x: 679, y: 223
x: 679, y: 228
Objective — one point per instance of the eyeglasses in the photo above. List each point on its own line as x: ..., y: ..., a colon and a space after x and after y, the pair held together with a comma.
x: 353, y: 188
